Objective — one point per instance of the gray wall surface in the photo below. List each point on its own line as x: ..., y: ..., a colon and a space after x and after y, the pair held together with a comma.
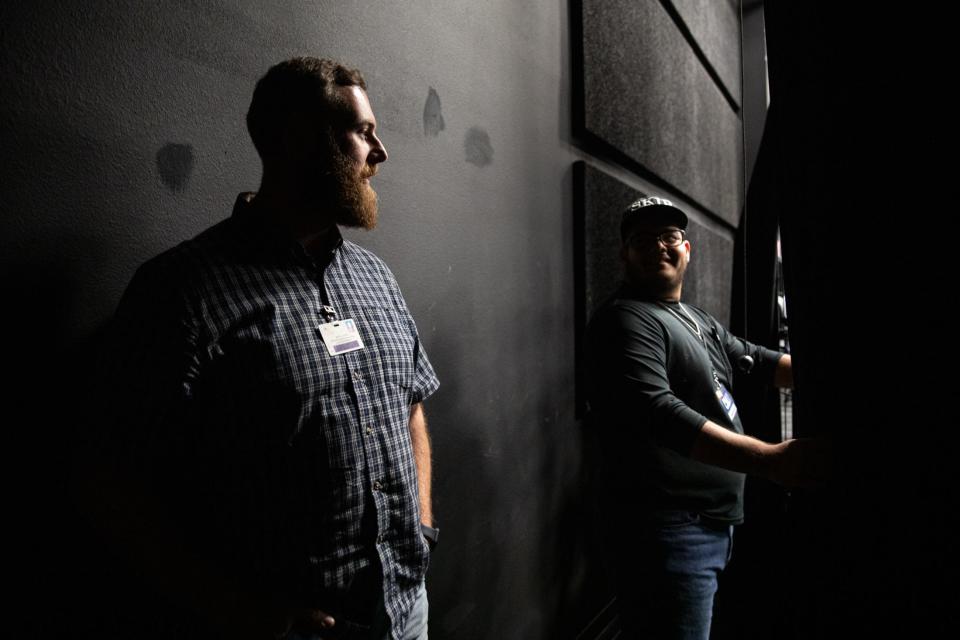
x: 707, y: 281
x: 123, y: 134
x: 715, y: 27
x: 657, y: 91
x: 649, y: 94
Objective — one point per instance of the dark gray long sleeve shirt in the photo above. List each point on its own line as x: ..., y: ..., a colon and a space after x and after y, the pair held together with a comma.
x: 652, y: 385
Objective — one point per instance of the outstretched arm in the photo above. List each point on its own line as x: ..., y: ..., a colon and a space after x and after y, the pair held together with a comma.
x: 791, y: 463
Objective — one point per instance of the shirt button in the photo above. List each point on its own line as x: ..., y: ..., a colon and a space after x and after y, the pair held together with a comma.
x: 369, y: 430
x: 379, y: 538
x: 358, y: 376
x: 377, y: 485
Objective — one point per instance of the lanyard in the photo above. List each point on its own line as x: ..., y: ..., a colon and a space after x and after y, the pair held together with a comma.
x: 329, y: 313
x: 691, y: 323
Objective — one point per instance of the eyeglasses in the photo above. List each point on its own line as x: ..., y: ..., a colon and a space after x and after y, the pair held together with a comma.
x: 671, y: 238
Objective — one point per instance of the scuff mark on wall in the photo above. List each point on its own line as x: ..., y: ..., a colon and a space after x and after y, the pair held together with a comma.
x: 175, y: 164
x: 477, y: 147
x: 432, y: 116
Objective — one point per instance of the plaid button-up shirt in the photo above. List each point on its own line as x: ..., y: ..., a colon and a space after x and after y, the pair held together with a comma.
x: 291, y: 467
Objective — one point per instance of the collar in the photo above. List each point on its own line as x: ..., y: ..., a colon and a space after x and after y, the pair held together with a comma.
x: 262, y: 231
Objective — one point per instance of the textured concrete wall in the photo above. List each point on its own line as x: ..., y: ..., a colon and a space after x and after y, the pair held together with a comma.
x: 123, y: 134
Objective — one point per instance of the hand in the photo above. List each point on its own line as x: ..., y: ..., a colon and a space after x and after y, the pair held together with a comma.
x: 311, y: 622
x: 804, y: 462
x: 258, y: 620
x: 255, y: 623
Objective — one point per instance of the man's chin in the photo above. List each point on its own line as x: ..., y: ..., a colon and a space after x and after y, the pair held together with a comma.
x: 654, y: 283
x: 365, y: 218
x: 366, y: 225
x: 359, y: 209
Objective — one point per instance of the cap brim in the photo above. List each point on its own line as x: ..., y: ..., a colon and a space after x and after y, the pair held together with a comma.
x: 659, y: 214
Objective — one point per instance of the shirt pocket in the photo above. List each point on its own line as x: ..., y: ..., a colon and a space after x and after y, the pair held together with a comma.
x: 390, y: 346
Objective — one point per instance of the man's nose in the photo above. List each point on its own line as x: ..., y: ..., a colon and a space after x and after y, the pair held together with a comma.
x: 378, y: 153
x: 658, y: 246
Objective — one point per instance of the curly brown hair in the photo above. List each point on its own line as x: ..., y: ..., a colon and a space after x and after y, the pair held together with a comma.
x: 302, y: 84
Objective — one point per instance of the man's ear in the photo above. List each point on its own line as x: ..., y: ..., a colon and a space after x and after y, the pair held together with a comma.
x: 686, y: 245
x: 300, y: 136
x: 292, y: 139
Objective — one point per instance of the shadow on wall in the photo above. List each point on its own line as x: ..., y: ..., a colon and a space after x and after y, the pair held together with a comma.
x: 509, y: 485
x: 56, y: 559
x: 465, y: 521
x: 63, y: 248
x: 513, y: 520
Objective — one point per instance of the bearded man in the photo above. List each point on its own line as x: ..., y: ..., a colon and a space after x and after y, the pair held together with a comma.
x: 270, y: 460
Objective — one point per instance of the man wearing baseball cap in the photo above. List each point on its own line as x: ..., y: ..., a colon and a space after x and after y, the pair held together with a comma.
x: 661, y: 377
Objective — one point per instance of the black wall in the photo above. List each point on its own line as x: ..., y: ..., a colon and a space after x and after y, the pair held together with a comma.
x: 123, y: 134
x: 658, y: 109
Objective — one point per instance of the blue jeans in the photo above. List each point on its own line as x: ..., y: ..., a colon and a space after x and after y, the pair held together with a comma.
x: 674, y: 562
x: 415, y: 629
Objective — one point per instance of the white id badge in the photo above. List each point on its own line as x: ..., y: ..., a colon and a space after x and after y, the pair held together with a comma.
x: 341, y: 336
x: 727, y: 401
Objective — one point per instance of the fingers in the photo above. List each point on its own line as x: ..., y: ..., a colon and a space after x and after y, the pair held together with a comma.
x: 819, y: 460
x: 804, y: 463
x: 321, y: 619
x: 312, y: 621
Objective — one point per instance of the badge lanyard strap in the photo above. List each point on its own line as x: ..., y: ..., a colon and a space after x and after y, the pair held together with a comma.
x: 329, y: 313
x: 694, y: 327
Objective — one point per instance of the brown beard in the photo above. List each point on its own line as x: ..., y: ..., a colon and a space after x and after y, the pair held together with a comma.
x: 355, y: 201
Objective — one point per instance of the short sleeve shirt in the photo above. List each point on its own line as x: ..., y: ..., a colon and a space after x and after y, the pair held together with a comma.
x: 296, y: 465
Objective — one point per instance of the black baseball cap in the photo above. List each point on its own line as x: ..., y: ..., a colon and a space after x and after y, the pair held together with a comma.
x: 651, y: 208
